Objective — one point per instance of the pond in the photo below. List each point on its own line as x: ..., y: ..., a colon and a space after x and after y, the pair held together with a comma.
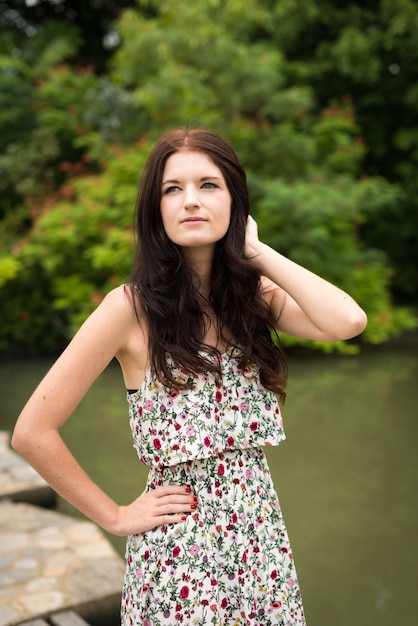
x: 347, y: 475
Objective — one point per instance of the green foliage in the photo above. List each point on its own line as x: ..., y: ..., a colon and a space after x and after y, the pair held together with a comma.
x: 367, y: 50
x: 315, y: 222
x: 9, y: 269
x: 286, y: 82
x: 81, y: 244
x: 41, y: 108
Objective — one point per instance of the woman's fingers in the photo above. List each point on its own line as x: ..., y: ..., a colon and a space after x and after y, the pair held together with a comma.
x: 170, y: 500
x: 174, y: 499
x: 168, y: 490
x: 169, y: 504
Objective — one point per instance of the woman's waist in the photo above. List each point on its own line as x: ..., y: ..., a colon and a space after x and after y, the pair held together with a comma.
x: 164, y: 453
x: 230, y: 476
x: 167, y: 442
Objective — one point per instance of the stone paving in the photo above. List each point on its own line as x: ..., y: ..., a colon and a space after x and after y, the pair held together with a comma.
x: 18, y: 480
x: 49, y: 561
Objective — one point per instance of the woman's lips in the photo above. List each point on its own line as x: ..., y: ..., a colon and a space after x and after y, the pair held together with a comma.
x: 193, y: 219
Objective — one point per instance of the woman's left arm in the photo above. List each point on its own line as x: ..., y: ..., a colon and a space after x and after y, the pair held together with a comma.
x: 306, y: 305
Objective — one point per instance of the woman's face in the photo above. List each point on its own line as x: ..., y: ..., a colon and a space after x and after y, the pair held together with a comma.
x: 195, y: 200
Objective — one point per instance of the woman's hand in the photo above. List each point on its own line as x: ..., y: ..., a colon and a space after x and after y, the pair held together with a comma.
x: 169, y: 504
x: 252, y: 243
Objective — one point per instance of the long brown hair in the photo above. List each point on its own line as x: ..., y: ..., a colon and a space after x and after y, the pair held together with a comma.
x: 163, y: 282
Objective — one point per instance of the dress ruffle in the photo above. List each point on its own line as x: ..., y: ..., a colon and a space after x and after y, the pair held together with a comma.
x: 171, y: 426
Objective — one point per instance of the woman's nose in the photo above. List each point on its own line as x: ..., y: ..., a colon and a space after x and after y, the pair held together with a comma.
x: 191, y: 199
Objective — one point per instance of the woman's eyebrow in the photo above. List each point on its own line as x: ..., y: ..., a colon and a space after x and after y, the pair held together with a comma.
x: 201, y: 180
x: 171, y: 181
x: 214, y: 177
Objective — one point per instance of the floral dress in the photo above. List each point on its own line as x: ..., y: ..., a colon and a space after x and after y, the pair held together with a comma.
x: 230, y: 563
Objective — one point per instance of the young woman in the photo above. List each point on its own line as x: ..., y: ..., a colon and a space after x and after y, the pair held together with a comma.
x: 193, y: 333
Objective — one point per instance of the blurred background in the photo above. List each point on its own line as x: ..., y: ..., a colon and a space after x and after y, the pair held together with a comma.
x: 320, y: 100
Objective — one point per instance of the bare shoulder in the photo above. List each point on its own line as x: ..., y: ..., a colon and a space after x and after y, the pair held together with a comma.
x: 119, y: 306
x: 109, y: 328
x: 119, y: 301
x: 121, y: 314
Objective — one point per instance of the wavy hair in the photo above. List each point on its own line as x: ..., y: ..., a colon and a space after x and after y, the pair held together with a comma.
x: 162, y: 282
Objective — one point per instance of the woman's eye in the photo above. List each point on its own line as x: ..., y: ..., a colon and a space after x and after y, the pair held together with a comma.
x: 171, y: 189
x: 209, y: 185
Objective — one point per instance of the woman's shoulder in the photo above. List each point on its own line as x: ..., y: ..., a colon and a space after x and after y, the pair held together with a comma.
x: 122, y: 301
x: 119, y: 314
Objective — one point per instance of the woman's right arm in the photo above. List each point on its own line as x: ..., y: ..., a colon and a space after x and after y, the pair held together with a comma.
x: 36, y: 435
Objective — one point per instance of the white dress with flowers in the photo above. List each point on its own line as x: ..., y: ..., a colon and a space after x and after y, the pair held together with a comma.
x: 230, y: 563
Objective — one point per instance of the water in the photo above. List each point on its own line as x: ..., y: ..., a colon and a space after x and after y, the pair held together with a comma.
x: 347, y: 476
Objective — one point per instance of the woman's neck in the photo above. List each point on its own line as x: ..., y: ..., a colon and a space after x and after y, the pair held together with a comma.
x: 200, y: 262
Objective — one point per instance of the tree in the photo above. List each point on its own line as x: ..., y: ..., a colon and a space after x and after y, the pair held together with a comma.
x: 91, y: 19
x: 366, y: 50
x: 231, y: 67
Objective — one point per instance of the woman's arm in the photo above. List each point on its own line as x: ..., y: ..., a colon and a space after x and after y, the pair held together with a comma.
x: 36, y: 436
x: 306, y: 305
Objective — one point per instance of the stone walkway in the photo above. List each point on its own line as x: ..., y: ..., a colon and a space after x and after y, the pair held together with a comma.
x: 50, y: 562
x: 18, y: 480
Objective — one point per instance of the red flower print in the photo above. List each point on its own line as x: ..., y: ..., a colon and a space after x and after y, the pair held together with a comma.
x: 218, y: 396
x: 176, y: 552
x: 244, y: 556
x: 273, y: 575
x: 224, y: 603
x: 221, y: 469
x: 184, y: 592
x: 206, y: 441
x: 277, y: 604
x: 253, y: 425
x: 174, y: 393
x: 177, y: 426
x: 157, y: 444
x: 205, y: 602
x: 230, y: 441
